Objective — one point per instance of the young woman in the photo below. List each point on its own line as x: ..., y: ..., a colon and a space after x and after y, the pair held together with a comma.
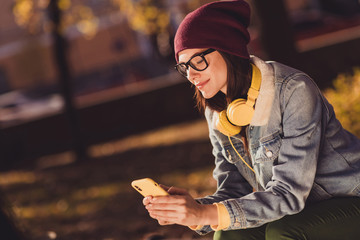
x: 285, y: 167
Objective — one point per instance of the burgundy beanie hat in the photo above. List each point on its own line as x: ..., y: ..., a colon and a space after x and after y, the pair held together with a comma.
x: 221, y: 25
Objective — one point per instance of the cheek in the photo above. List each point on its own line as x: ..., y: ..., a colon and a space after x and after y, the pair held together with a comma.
x: 221, y: 69
x: 221, y: 76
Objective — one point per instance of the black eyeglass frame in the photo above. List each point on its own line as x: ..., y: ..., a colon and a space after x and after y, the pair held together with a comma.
x: 188, y: 63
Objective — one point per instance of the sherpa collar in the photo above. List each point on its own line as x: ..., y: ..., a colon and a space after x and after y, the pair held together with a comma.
x: 266, y: 94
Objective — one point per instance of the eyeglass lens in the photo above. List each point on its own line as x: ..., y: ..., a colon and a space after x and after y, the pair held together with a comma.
x: 198, y: 63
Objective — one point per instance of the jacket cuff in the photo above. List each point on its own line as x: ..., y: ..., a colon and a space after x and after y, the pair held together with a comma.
x: 204, y: 230
x: 196, y: 227
x: 236, y: 213
x: 223, y: 217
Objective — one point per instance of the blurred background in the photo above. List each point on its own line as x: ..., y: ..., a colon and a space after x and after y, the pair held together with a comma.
x: 89, y: 101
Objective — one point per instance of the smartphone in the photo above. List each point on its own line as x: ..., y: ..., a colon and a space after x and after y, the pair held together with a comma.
x: 148, y: 187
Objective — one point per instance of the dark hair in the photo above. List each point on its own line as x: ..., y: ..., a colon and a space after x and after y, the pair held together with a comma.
x: 238, y: 83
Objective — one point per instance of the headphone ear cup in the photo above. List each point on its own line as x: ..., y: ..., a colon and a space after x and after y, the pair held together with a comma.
x: 225, y: 127
x: 239, y: 113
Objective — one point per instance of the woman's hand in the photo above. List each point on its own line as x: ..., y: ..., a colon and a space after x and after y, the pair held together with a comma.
x: 180, y: 208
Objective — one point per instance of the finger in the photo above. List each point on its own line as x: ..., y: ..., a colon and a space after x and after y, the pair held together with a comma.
x: 172, y: 199
x: 164, y: 187
x: 171, y: 218
x: 166, y: 207
x: 165, y: 215
x: 177, y: 191
x: 165, y: 223
x: 162, y: 222
x: 147, y: 200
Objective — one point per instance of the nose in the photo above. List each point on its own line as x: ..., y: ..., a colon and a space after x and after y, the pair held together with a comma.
x: 193, y: 74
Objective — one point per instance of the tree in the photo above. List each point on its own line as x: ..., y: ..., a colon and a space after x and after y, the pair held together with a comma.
x: 33, y: 15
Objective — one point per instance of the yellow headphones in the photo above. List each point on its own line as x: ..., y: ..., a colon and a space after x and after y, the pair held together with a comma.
x: 240, y: 111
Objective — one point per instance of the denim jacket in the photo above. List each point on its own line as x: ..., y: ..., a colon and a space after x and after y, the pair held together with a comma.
x: 298, y: 149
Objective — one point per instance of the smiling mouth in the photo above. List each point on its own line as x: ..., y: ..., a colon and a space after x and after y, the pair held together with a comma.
x: 201, y: 84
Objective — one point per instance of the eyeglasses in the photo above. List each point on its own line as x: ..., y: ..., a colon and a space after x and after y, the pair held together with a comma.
x: 197, y: 62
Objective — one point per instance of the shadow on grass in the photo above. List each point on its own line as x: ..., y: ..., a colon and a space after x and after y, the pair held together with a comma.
x: 94, y: 200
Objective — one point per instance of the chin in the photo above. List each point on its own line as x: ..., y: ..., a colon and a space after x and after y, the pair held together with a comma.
x: 207, y: 96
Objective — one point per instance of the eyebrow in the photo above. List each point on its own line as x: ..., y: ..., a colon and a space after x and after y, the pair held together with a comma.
x: 193, y: 56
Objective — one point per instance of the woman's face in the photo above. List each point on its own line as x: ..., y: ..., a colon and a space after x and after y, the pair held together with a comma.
x: 211, y: 80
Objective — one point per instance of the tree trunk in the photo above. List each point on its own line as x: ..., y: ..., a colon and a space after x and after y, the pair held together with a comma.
x: 60, y: 50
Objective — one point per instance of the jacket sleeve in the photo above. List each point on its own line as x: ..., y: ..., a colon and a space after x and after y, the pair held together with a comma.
x: 294, y: 172
x: 230, y: 183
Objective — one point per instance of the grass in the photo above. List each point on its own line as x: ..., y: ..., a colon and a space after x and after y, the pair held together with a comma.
x: 62, y: 199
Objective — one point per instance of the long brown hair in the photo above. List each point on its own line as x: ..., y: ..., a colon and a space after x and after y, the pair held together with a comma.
x: 238, y: 83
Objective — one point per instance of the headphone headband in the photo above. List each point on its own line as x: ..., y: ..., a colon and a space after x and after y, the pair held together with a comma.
x: 253, y: 92
x: 240, y: 111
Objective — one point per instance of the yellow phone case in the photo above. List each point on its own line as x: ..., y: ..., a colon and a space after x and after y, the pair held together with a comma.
x: 148, y: 187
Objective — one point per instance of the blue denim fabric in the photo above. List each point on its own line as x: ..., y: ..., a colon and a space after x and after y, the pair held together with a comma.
x: 301, y: 154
